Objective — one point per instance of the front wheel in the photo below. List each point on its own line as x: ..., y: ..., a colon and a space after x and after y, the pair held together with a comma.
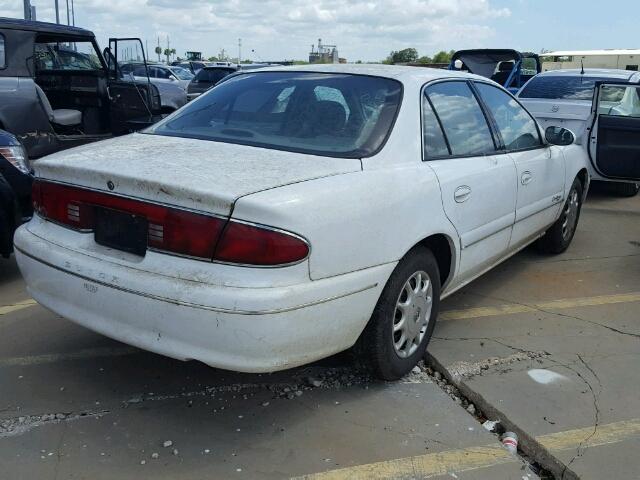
x: 403, y: 320
x: 558, y: 238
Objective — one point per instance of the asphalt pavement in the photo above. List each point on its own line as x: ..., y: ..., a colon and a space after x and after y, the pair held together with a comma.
x: 548, y: 345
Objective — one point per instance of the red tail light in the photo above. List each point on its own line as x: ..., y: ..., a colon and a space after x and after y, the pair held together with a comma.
x: 253, y: 245
x: 171, y: 229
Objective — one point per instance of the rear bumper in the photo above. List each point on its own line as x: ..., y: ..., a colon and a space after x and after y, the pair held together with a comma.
x: 244, y: 329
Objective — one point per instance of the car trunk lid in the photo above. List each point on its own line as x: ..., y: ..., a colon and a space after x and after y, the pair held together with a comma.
x: 572, y: 115
x: 195, y: 174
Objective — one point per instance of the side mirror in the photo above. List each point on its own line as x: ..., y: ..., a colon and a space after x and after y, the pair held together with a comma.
x: 559, y: 136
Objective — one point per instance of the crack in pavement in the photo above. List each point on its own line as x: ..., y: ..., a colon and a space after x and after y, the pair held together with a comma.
x: 583, y: 446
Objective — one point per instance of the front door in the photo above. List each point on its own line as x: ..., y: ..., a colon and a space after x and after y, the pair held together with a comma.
x: 540, y: 167
x: 614, y: 148
x: 135, y: 103
x: 477, y: 182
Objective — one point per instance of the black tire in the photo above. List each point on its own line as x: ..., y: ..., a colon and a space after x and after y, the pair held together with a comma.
x: 377, y: 340
x: 559, y: 236
x: 626, y: 189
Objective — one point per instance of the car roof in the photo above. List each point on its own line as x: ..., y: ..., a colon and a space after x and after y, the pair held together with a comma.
x: 405, y: 74
x: 43, y: 27
x: 612, y: 73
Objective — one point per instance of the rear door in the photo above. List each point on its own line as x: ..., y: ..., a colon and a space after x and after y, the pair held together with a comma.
x: 477, y: 182
x: 135, y: 102
x: 614, y: 148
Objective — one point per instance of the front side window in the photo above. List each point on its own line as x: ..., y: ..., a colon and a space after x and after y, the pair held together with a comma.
x: 619, y: 101
x: 66, y: 56
x: 516, y: 126
x: 462, y: 118
x: 339, y: 115
x: 2, y: 54
x: 560, y: 87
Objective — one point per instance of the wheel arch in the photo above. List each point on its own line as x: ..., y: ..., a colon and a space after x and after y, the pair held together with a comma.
x: 443, y: 248
x: 583, y: 177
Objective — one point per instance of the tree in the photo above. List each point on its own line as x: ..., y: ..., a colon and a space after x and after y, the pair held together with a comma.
x: 408, y: 55
x: 173, y: 52
x: 167, y: 53
x: 425, y: 59
x: 443, y: 56
x: 158, y: 52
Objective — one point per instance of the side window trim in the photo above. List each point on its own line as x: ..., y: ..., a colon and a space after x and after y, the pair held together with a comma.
x: 444, y: 133
x: 494, y: 123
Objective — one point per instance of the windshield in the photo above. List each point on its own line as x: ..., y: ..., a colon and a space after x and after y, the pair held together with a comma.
x: 561, y: 87
x: 181, y: 73
x: 213, y: 75
x: 339, y: 115
x: 66, y: 56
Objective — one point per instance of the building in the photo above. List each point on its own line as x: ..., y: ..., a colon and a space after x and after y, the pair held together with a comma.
x: 324, y: 54
x: 625, y: 59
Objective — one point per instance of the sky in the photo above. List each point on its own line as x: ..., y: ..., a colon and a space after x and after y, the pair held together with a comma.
x: 363, y: 30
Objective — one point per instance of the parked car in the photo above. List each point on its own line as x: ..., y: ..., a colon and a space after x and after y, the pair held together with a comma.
x: 15, y: 190
x: 292, y: 212
x: 602, y: 108
x: 206, y: 78
x: 173, y: 93
x: 57, y: 91
x: 194, y: 66
x: 509, y: 68
x: 159, y: 73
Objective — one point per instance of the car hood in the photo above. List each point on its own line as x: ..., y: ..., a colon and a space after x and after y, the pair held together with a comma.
x: 197, y: 174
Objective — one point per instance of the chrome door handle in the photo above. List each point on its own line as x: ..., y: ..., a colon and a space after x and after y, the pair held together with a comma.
x: 462, y: 193
x: 526, y: 177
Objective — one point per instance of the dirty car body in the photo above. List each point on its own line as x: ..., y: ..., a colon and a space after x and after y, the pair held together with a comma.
x: 288, y: 213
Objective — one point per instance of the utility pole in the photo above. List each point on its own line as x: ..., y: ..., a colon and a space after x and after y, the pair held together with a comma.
x: 73, y: 14
x: 68, y: 19
x: 57, y: 12
x: 239, y: 50
x: 27, y: 9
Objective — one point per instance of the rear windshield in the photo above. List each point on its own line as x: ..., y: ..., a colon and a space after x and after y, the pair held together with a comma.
x: 213, y: 75
x: 561, y: 87
x: 338, y: 115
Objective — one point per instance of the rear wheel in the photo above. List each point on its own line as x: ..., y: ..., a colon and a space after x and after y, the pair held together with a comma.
x: 626, y: 189
x: 558, y: 238
x: 403, y: 320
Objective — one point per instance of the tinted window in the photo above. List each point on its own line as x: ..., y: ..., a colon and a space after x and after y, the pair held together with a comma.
x: 212, y: 75
x: 432, y: 137
x: 161, y: 73
x: 462, y: 118
x: 282, y: 110
x: 2, y: 54
x: 560, y: 88
x: 517, y: 128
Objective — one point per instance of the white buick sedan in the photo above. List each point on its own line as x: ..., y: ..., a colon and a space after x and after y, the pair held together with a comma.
x: 291, y: 213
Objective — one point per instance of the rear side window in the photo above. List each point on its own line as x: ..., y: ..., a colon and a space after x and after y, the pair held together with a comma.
x: 2, y: 54
x: 462, y: 119
x: 561, y: 87
x: 516, y: 126
x: 433, y: 139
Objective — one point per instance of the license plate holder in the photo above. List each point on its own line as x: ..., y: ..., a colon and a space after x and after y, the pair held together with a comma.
x: 120, y: 230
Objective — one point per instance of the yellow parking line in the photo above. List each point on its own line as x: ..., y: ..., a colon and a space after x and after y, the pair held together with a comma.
x: 17, y: 306
x: 562, y: 304
x: 474, y: 458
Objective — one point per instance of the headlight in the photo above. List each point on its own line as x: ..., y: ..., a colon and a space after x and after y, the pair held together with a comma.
x: 16, y: 157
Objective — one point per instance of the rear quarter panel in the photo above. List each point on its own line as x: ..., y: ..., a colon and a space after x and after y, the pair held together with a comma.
x: 355, y: 221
